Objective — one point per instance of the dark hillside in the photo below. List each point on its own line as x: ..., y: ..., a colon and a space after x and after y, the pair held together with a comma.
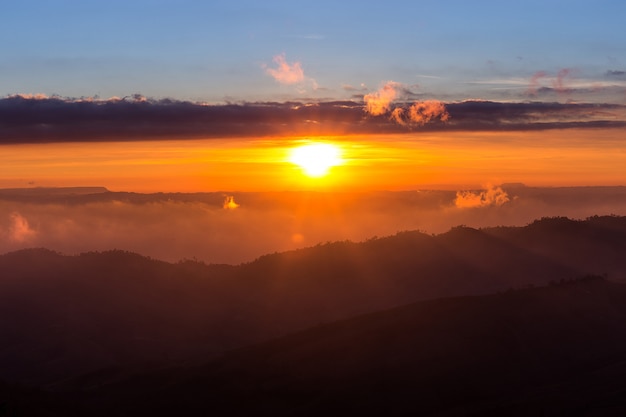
x: 557, y: 350
x: 596, y: 245
x: 101, y: 316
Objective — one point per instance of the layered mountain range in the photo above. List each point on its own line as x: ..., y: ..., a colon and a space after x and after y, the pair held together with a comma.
x: 467, y: 322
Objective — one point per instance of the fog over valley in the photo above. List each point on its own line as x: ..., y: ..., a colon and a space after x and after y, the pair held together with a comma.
x: 235, y: 227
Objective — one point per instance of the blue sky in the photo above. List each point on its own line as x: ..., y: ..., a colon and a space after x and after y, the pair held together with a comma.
x: 224, y: 51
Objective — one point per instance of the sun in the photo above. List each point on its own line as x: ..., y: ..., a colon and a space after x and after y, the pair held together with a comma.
x: 316, y: 159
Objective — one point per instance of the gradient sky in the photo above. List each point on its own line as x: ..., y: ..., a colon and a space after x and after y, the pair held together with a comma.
x: 206, y: 96
x: 221, y: 51
x: 468, y: 97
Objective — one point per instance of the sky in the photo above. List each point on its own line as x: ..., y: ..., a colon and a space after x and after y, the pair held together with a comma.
x: 434, y: 114
x: 193, y: 96
x: 223, y: 51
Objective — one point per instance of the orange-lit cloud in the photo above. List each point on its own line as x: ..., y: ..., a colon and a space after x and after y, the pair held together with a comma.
x: 19, y: 229
x: 174, y: 226
x: 398, y: 115
x: 36, y: 96
x: 417, y: 114
x: 420, y: 113
x: 423, y: 112
x: 229, y: 203
x: 286, y: 73
x: 492, y: 196
x: 379, y: 102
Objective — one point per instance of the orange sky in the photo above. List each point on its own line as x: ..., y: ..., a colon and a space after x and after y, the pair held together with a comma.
x: 450, y: 160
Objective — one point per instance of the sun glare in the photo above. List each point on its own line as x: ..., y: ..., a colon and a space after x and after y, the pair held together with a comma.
x: 316, y: 159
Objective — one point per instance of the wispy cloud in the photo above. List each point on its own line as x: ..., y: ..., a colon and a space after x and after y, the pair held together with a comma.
x: 19, y: 229
x: 616, y: 74
x: 291, y: 73
x: 351, y: 88
x: 285, y: 72
x: 560, y: 80
x: 533, y: 84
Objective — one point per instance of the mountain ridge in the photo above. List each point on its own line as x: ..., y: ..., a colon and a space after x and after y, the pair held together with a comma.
x: 67, y: 316
x: 551, y: 351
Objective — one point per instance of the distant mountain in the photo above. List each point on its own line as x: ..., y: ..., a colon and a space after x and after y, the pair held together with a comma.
x: 99, y: 317
x: 558, y: 198
x: 596, y: 245
x: 51, y: 191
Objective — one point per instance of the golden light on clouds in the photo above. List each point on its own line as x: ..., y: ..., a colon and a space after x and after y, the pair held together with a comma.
x: 229, y: 203
x: 316, y: 159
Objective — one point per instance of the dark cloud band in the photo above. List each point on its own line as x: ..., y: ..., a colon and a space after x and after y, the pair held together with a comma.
x: 26, y: 119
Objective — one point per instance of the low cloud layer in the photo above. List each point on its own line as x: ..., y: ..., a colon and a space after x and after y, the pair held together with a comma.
x: 239, y: 227
x: 36, y: 119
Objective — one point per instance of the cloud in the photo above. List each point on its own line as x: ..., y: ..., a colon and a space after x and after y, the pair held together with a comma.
x: 351, y: 88
x: 292, y: 74
x: 616, y: 74
x: 36, y: 96
x: 174, y: 226
x: 379, y: 102
x: 420, y: 113
x: 417, y: 114
x: 477, y: 115
x: 533, y: 85
x: 559, y: 82
x: 425, y: 111
x: 56, y: 119
x: 492, y: 196
x: 19, y: 229
x: 286, y: 73
x: 229, y: 203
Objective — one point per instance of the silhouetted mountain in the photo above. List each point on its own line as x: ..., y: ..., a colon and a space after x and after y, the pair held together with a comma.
x: 560, y: 197
x: 51, y: 191
x: 98, y: 317
x: 596, y: 245
x: 556, y: 350
x: 64, y: 316
x: 550, y: 351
